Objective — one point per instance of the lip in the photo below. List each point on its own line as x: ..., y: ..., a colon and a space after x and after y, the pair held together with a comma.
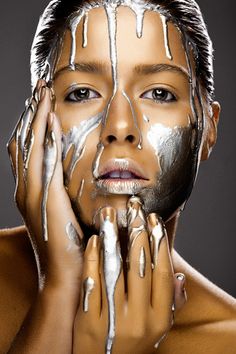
x: 122, y: 165
x: 128, y: 177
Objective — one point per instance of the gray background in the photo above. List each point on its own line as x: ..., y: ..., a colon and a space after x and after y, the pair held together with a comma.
x: 206, y: 236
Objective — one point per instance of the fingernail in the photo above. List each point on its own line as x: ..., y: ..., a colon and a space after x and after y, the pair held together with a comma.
x: 42, y: 92
x: 157, y: 232
x: 135, y: 213
x: 95, y: 241
x: 108, y: 213
x: 152, y: 220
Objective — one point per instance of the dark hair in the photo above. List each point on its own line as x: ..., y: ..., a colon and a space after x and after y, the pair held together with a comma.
x: 185, y: 13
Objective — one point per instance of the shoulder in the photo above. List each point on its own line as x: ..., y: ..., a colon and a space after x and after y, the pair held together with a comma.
x: 207, y: 322
x: 18, y: 281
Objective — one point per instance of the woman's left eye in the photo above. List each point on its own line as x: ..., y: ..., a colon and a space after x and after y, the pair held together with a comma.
x: 82, y: 94
x: 159, y: 95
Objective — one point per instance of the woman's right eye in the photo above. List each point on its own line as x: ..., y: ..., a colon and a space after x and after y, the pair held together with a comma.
x: 81, y: 95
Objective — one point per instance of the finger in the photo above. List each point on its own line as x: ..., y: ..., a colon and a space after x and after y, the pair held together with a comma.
x: 27, y: 117
x: 38, y: 127
x: 90, y: 299
x: 112, y: 278
x: 55, y: 200
x: 180, y: 297
x: 20, y: 134
x: 162, y: 275
x: 139, y: 260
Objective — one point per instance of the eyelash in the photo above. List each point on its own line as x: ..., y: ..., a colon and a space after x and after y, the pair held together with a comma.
x: 71, y: 95
x: 95, y: 94
x: 165, y: 99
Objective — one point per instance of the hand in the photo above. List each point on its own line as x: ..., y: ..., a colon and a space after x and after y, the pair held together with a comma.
x: 143, y: 308
x: 35, y: 152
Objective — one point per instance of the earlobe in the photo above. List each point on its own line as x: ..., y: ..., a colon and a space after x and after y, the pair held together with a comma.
x: 210, y: 134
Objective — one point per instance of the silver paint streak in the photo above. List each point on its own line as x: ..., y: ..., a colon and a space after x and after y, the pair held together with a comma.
x: 75, y: 241
x: 139, y: 8
x: 73, y: 27
x: 145, y: 118
x: 157, y: 234
x: 49, y: 163
x: 142, y: 263
x: 76, y: 138
x: 80, y: 190
x: 85, y: 30
x: 88, y: 287
x: 112, y: 269
x: 111, y: 12
x: 166, y: 36
x: 168, y: 144
x: 135, y: 119
x: 96, y: 162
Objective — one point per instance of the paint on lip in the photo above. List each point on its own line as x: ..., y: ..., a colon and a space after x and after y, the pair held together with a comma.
x: 128, y: 187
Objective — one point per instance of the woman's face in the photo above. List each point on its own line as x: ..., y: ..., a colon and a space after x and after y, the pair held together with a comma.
x: 134, y: 137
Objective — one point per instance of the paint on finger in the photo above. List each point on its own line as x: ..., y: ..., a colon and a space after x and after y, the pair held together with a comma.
x: 75, y: 241
x: 27, y: 153
x: 88, y: 287
x: 157, y: 232
x: 142, y: 263
x: 136, y: 220
x: 112, y: 267
x: 49, y: 165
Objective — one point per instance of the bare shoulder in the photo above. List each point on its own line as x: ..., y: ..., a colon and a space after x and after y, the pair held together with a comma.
x: 207, y: 323
x: 18, y: 282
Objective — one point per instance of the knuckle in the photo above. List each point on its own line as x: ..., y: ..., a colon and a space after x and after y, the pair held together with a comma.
x: 165, y: 275
x: 138, y: 331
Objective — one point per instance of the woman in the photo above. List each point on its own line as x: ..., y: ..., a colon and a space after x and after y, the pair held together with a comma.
x: 109, y: 143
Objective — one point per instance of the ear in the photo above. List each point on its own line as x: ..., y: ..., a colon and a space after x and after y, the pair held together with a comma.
x: 210, y: 131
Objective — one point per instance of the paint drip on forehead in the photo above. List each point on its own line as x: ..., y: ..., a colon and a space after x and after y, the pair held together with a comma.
x: 138, y: 7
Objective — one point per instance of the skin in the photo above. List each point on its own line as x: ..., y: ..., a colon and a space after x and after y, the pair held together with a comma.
x: 208, y: 311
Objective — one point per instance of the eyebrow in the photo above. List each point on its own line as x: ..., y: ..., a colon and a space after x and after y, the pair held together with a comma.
x: 144, y: 69
x: 88, y: 67
x: 141, y: 69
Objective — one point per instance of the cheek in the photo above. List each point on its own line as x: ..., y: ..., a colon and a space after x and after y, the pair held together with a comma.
x: 170, y: 115
x: 79, y: 148
x: 169, y: 144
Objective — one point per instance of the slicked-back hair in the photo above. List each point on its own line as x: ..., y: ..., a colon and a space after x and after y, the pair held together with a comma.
x: 186, y: 14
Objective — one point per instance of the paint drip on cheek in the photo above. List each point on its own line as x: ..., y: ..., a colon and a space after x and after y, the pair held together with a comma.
x: 174, y: 179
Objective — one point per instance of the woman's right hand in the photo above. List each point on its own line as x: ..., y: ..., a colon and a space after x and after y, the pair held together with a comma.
x: 35, y: 152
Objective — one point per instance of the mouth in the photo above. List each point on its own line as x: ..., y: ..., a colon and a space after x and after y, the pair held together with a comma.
x: 121, y: 176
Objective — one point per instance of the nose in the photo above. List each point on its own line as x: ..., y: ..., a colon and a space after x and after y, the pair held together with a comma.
x: 121, y: 126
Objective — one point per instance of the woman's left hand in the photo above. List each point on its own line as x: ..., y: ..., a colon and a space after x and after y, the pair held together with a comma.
x: 144, y: 297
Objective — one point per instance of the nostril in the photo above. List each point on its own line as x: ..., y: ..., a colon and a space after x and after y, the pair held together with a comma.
x: 130, y: 138
x: 111, y: 138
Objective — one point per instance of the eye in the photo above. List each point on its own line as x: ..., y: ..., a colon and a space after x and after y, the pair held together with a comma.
x: 159, y: 95
x: 81, y: 95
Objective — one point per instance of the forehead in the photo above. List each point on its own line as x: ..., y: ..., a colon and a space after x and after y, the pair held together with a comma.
x: 131, y: 50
